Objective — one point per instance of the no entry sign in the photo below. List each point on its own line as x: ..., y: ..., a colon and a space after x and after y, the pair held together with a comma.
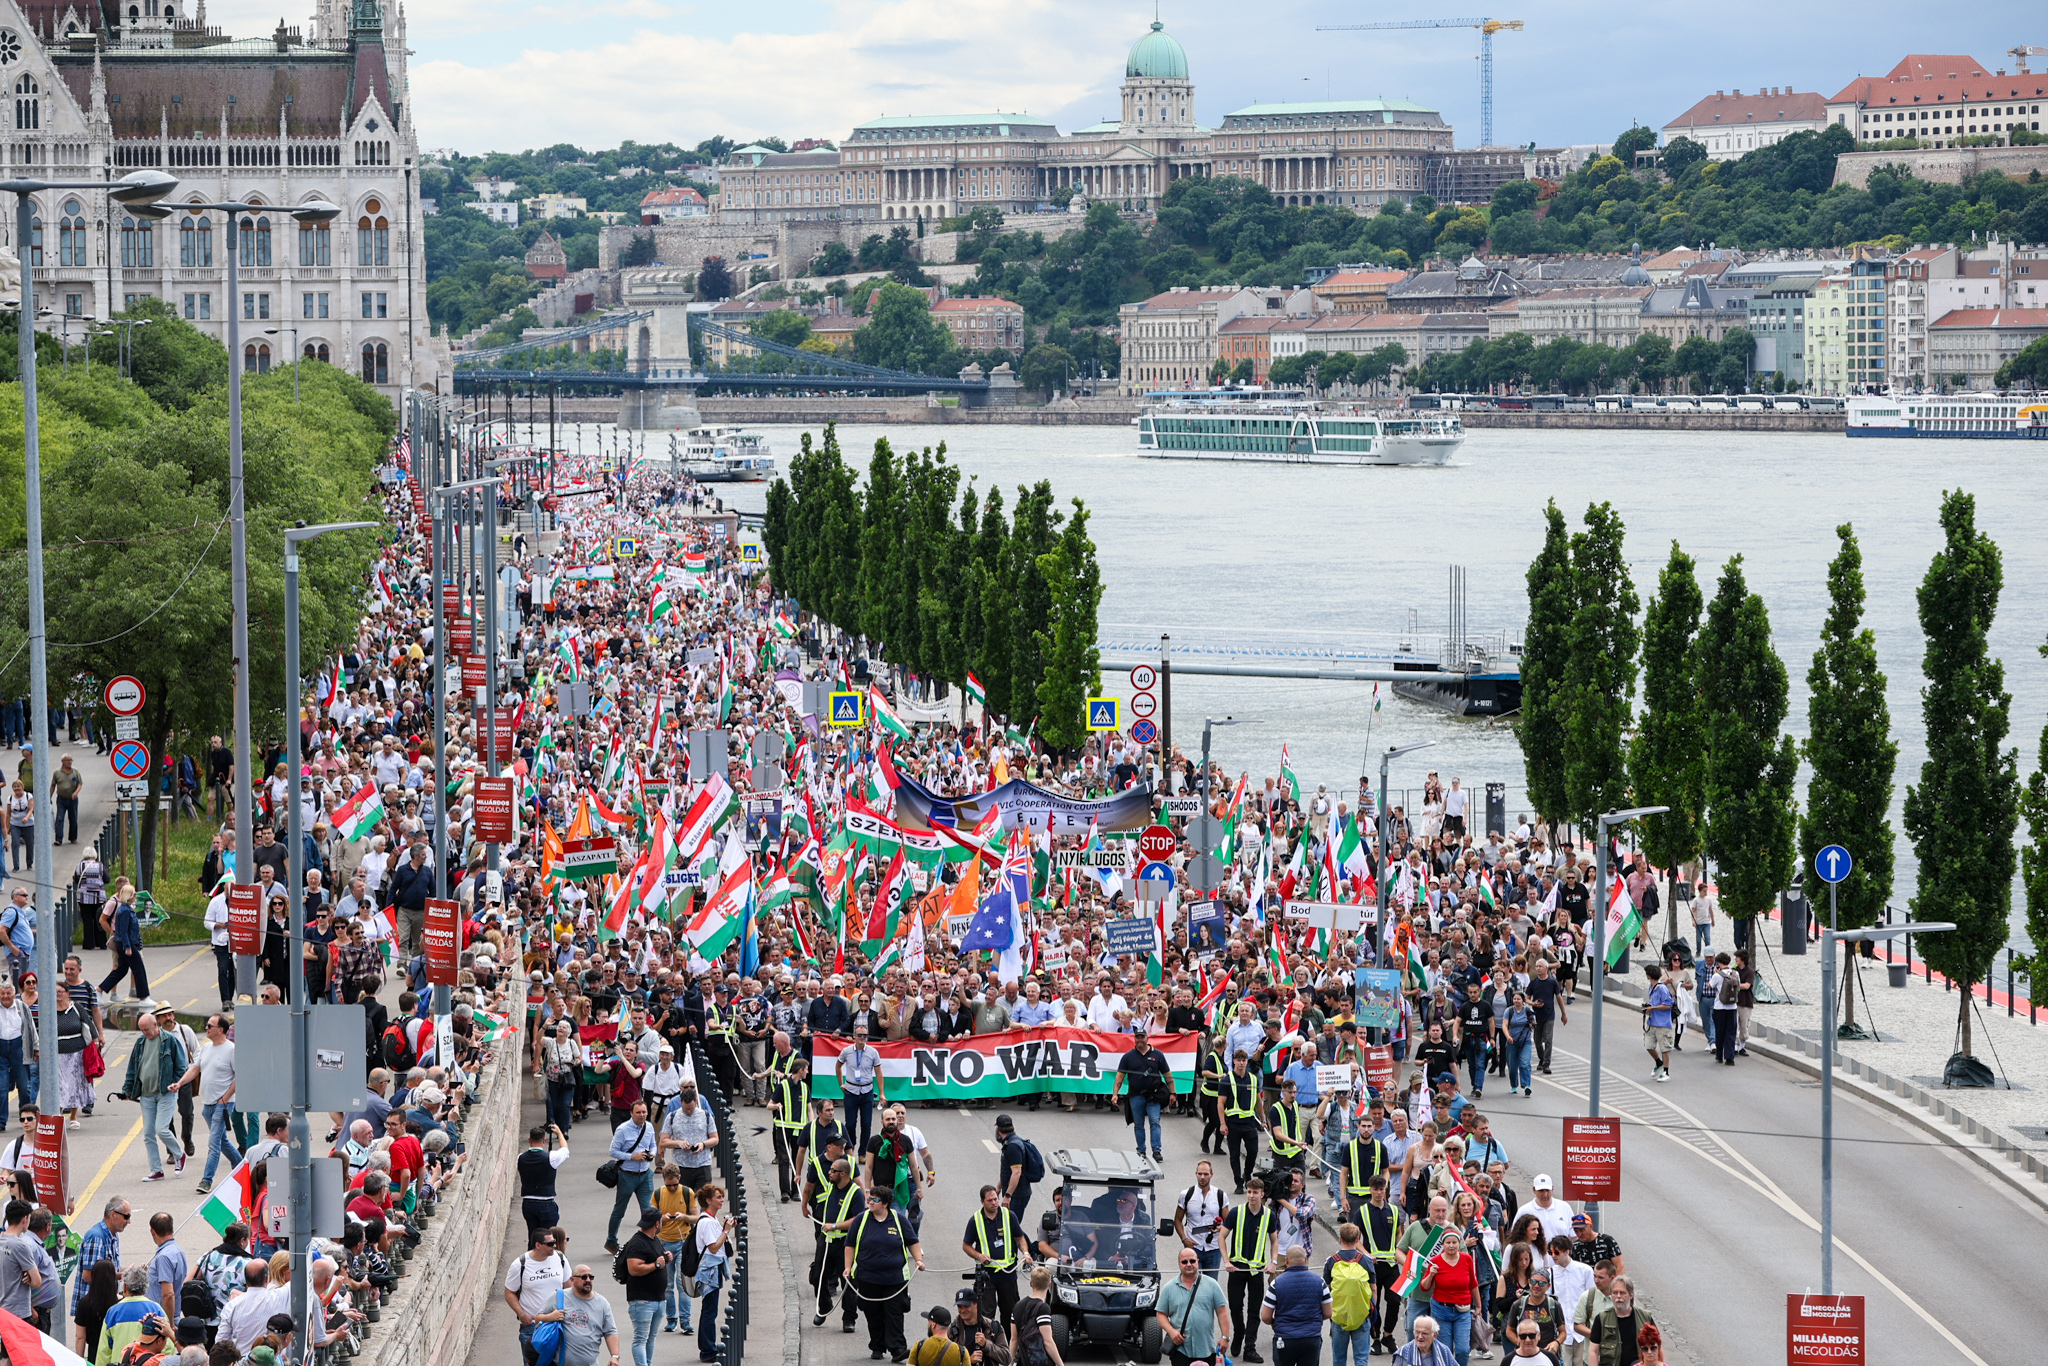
x: 1824, y: 1330
x: 1592, y: 1159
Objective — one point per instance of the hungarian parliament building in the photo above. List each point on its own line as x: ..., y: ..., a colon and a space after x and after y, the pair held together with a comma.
x: 97, y: 89
x: 1358, y: 153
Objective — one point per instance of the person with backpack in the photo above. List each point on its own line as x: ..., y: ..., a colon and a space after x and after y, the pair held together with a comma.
x: 219, y: 1275
x: 531, y: 1283
x: 709, y: 1267
x: 1350, y: 1277
x: 633, y: 1148
x: 1022, y: 1167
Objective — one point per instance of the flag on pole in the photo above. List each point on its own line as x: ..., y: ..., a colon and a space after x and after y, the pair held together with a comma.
x: 1416, y: 1263
x: 696, y: 562
x: 726, y: 695
x: 885, y: 715
x: 712, y: 929
x: 885, y: 915
x: 224, y: 1203
x: 1623, y: 924
x: 976, y: 694
x: 785, y: 629
x: 1288, y: 777
x: 357, y: 816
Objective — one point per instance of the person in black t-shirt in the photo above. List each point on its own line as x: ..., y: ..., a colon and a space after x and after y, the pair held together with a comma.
x: 1435, y: 1055
x: 1475, y: 1029
x: 1546, y: 995
x: 646, y: 1265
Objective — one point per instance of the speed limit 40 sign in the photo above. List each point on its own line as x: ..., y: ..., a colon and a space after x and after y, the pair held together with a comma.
x: 1143, y: 676
x: 125, y: 695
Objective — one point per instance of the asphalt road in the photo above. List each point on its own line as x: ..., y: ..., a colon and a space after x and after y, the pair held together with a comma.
x: 1718, y: 1222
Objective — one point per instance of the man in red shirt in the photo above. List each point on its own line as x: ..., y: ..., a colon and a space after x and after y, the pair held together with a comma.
x: 373, y: 1201
x: 408, y: 1158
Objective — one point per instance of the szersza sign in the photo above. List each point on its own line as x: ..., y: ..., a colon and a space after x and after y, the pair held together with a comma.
x: 1012, y: 1063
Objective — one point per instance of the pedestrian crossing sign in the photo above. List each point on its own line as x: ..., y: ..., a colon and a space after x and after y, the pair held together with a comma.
x: 1103, y: 713
x: 750, y: 552
x: 625, y: 547
x: 845, y: 709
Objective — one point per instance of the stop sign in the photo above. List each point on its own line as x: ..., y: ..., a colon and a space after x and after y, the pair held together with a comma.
x: 1156, y: 844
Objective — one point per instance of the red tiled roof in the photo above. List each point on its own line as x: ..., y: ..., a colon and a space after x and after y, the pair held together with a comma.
x: 674, y: 194
x: 1357, y: 278
x: 1730, y: 111
x: 1993, y: 317
x: 1934, y: 79
x: 974, y: 305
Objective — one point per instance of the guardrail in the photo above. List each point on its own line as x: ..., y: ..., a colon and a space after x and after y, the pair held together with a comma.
x: 735, y: 1311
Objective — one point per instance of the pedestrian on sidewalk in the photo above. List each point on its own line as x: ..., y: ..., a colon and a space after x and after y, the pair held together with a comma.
x: 64, y: 788
x: 714, y: 1228
x: 155, y: 1066
x: 879, y: 1254
x: 17, y: 1038
x: 91, y: 876
x: 126, y: 943
x: 213, y: 1069
x: 1660, y: 1020
x: 646, y: 1264
x: 1726, y: 986
x: 18, y: 933
x: 634, y: 1144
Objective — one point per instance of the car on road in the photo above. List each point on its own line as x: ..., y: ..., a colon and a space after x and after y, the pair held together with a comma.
x: 1106, y: 1276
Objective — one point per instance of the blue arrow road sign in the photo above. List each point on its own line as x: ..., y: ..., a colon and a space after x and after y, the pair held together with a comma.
x: 1156, y: 872
x: 1833, y: 863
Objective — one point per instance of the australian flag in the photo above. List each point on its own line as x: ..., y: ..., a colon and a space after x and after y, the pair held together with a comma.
x: 998, y: 923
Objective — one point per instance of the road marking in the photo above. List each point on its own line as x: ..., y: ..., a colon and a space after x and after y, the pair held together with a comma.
x: 991, y: 1145
x: 966, y: 1113
x: 1762, y: 1185
x: 84, y: 1200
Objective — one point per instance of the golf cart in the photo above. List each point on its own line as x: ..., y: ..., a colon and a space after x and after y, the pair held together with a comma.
x: 1106, y: 1279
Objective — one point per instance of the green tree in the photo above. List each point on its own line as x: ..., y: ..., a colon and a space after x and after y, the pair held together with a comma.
x: 1636, y: 139
x: 1466, y: 230
x: 1546, y: 650
x: 881, y: 545
x: 1667, y: 758
x: 1600, y: 668
x: 1514, y: 196
x: 1962, y: 813
x: 1072, y: 665
x: 172, y: 360
x: 714, y: 279
x: 2034, y: 868
x: 1046, y: 368
x: 1849, y: 746
x: 784, y: 325
x: 1681, y: 154
x: 1751, y: 763
x: 639, y: 251
x: 902, y: 335
x: 1034, y: 530
x: 834, y: 258
x: 995, y: 565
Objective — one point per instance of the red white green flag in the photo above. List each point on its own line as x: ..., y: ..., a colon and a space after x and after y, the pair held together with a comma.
x: 714, y: 927
x: 357, y: 816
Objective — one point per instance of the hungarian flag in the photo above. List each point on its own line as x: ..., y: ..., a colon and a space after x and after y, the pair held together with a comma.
x: 885, y: 715
x: 1486, y: 897
x: 1415, y: 1264
x: 1288, y: 778
x: 785, y: 629
x: 885, y: 913
x: 696, y: 562
x: 1212, y: 989
x: 725, y: 692
x: 1352, y: 860
x: 489, y: 1028
x: 223, y: 1206
x: 1413, y: 971
x: 713, y: 928
x: 357, y: 816
x: 660, y: 607
x: 624, y: 898
x: 976, y: 694
x: 1623, y: 924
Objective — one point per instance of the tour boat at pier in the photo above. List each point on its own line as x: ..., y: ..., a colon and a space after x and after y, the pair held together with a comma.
x: 1968, y: 416
x: 1211, y: 425
x: 723, y: 455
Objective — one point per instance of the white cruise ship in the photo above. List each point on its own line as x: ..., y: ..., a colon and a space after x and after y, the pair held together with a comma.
x: 1210, y: 425
x: 2007, y: 417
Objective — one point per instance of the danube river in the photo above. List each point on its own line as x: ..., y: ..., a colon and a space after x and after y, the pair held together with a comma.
x: 1242, y: 552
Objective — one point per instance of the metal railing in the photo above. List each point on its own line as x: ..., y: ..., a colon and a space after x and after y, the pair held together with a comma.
x: 734, y: 1312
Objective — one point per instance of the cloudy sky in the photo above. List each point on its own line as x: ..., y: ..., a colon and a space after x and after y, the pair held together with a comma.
x: 515, y: 74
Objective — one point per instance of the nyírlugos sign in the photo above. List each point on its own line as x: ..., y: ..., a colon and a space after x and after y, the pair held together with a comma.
x: 1012, y: 1063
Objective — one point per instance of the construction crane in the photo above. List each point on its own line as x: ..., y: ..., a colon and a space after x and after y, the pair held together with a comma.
x: 1487, y: 28
x: 2022, y: 53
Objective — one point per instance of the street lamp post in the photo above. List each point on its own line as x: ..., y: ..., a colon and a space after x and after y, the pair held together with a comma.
x: 313, y: 211
x: 1828, y: 939
x: 136, y: 189
x: 1392, y: 753
x: 1601, y: 826
x: 296, y: 357
x: 301, y: 1192
x: 445, y: 561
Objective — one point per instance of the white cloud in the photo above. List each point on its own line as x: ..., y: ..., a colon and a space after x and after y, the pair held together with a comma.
x: 905, y: 57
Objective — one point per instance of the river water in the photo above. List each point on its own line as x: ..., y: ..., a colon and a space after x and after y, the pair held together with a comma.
x: 1243, y: 552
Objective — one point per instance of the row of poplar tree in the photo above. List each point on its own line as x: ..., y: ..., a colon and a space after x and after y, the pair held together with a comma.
x: 1709, y: 742
x: 943, y: 579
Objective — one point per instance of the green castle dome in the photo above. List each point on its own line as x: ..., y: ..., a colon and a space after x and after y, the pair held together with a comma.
x: 1157, y: 56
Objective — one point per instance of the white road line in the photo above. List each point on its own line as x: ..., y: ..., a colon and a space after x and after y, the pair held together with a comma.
x: 991, y: 1145
x: 1763, y: 1186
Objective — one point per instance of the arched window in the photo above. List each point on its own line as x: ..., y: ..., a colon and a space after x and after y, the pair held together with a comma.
x: 256, y: 358
x: 138, y: 243
x: 72, y: 238
x: 195, y: 240
x: 256, y: 241
x: 317, y: 351
x: 373, y: 236
x: 376, y: 363
x: 28, y: 109
x: 35, y: 237
x: 315, y: 245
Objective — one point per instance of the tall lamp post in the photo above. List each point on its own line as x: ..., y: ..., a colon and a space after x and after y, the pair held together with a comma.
x: 1828, y: 939
x: 445, y: 562
x: 313, y: 211
x: 1391, y: 753
x: 135, y: 190
x: 1601, y: 827
x: 301, y: 1191
x: 296, y: 357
